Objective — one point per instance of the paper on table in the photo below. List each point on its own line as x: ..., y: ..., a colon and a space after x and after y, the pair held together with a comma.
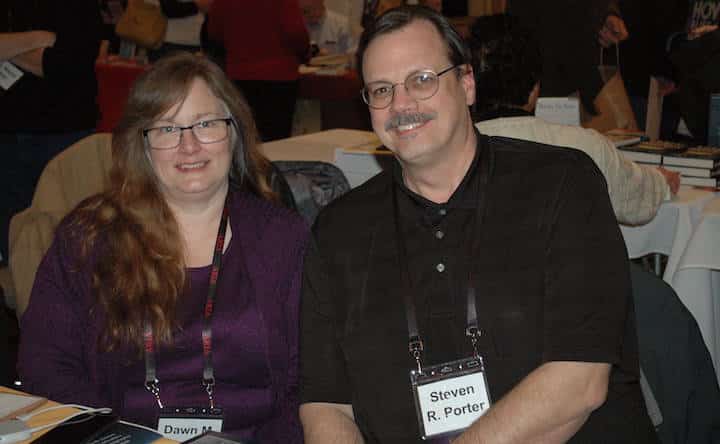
x: 12, y: 405
x: 561, y: 110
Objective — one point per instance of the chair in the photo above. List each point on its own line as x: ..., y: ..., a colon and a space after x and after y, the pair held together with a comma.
x: 675, y: 363
x: 78, y: 172
x: 313, y: 185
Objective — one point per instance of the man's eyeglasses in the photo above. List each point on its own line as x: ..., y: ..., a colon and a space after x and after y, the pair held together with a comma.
x: 169, y: 137
x: 420, y: 85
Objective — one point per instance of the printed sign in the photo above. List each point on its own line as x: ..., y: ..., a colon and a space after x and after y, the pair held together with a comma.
x: 560, y: 110
x: 452, y: 404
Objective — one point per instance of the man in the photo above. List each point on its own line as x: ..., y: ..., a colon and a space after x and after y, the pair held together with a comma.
x: 328, y: 30
x: 47, y: 95
x: 470, y: 247
x: 508, y: 67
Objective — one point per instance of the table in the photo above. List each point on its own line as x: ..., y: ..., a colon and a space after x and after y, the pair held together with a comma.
x: 55, y: 415
x: 687, y: 230
x: 697, y: 278
x: 327, y: 146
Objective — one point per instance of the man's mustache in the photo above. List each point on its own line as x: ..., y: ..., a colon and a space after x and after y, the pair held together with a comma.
x: 408, y: 119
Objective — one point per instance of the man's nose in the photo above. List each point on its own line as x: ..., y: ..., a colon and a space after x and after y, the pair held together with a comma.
x: 402, y: 100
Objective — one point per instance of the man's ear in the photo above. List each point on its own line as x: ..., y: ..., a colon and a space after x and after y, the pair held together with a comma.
x: 467, y: 79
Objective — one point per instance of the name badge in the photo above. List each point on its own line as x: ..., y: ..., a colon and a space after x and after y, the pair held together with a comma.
x: 182, y: 423
x: 9, y: 74
x: 449, y: 397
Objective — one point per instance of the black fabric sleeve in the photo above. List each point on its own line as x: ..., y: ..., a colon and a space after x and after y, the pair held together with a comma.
x: 176, y: 9
x: 587, y: 282
x: 77, y: 25
x: 323, y: 376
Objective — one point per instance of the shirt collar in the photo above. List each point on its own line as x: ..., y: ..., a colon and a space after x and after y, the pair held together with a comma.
x: 464, y: 196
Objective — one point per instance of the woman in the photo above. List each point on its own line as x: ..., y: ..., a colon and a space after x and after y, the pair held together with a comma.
x: 122, y: 301
x: 265, y: 42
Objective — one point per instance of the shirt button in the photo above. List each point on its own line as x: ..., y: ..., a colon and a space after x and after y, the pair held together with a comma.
x: 439, y: 234
x: 440, y: 267
x: 442, y: 211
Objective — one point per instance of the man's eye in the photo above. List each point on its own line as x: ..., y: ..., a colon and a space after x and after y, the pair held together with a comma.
x: 381, y: 91
x: 167, y: 129
x: 423, y: 78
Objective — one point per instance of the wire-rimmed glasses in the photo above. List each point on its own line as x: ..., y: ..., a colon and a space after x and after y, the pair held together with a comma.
x: 420, y: 85
x: 205, y: 131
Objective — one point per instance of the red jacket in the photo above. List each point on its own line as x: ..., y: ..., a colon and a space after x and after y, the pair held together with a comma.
x: 263, y: 39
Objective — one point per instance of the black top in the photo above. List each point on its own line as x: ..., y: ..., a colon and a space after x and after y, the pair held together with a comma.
x: 64, y: 99
x: 552, y: 285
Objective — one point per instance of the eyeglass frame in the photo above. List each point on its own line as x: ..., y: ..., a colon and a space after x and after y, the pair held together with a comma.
x: 364, y: 92
x: 228, y: 121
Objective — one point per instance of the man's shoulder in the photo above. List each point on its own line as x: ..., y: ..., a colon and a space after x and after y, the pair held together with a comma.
x: 538, y: 130
x: 530, y: 154
x: 358, y: 204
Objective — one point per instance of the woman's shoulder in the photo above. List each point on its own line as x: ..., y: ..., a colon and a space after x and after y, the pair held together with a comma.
x: 252, y: 213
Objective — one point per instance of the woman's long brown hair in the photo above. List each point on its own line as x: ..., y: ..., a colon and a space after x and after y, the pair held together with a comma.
x: 140, y: 274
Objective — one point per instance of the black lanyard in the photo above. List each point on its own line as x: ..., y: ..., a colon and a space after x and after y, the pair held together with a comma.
x: 208, y: 380
x: 472, y: 330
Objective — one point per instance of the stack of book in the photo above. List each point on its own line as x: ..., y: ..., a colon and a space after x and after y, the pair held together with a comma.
x: 651, y: 152
x: 698, y: 166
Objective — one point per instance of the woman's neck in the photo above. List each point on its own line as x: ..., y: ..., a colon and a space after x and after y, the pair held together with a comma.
x: 198, y: 225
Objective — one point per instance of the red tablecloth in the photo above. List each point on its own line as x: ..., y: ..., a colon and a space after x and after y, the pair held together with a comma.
x: 115, y: 77
x: 323, y: 87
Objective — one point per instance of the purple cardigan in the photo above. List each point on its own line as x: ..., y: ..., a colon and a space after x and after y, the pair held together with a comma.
x: 255, y: 332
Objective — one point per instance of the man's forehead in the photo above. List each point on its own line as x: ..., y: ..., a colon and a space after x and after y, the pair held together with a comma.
x: 419, y: 41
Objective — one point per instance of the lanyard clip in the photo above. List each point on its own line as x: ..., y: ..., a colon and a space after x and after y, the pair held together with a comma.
x: 154, y: 388
x: 209, y: 385
x: 416, y: 347
x: 474, y: 333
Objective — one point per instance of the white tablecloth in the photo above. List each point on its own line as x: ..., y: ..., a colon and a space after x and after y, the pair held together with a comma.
x: 687, y: 230
x: 326, y: 146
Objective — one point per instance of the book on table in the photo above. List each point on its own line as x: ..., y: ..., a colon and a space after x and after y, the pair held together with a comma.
x: 696, y: 157
x: 709, y: 182
x: 693, y: 171
x: 621, y: 137
x: 714, y: 121
x: 651, y: 152
x: 14, y: 404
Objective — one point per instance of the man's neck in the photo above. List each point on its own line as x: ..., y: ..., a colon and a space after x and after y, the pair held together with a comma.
x: 438, y: 180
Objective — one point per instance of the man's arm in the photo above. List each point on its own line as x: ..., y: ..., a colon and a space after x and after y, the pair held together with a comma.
x: 31, y: 61
x: 549, y: 405
x: 326, y: 423
x: 13, y: 44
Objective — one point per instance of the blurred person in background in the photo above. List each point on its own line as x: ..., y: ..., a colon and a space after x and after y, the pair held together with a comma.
x: 329, y: 31
x: 570, y: 34
x: 508, y: 68
x: 265, y: 42
x: 47, y: 95
x: 695, y: 54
